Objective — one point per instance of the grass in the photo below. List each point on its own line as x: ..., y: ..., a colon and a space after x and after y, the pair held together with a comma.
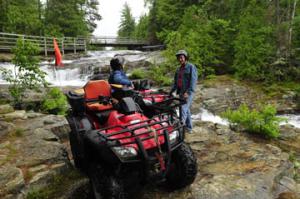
x: 19, y: 132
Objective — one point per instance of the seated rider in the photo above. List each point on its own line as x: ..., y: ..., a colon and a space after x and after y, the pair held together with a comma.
x: 118, y: 76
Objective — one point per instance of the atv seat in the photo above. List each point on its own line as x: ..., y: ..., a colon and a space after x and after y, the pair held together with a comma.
x: 92, y: 91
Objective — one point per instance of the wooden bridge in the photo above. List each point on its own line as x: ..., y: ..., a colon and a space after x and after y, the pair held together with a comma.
x: 72, y: 44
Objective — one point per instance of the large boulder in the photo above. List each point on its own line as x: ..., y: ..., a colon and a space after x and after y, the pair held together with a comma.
x: 32, y: 152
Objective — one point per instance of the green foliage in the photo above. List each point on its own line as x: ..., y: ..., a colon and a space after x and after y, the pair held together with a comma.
x: 65, y: 18
x: 253, y: 45
x: 51, y: 17
x: 27, y: 74
x: 127, y: 25
x: 263, y: 122
x: 37, y: 194
x: 161, y: 75
x: 141, y: 29
x: 55, y: 102
x: 138, y: 74
x: 204, y: 39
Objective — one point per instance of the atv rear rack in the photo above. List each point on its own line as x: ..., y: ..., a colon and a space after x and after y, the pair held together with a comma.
x: 168, y: 105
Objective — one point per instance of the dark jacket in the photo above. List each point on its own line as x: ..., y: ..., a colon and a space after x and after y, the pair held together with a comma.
x: 189, y: 81
x: 119, y: 77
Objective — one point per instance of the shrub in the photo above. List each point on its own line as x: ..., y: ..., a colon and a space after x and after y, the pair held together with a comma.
x: 158, y: 74
x: 263, y: 122
x: 26, y: 73
x: 55, y: 102
x: 138, y: 74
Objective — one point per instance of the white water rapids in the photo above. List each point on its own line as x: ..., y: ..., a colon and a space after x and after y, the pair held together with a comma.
x: 77, y: 72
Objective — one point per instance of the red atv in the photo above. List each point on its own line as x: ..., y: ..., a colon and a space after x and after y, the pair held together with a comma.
x: 121, y: 149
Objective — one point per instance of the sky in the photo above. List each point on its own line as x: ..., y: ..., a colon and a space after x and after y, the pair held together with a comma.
x: 110, y: 11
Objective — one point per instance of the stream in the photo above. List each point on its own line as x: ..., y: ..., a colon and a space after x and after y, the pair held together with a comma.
x: 76, y: 72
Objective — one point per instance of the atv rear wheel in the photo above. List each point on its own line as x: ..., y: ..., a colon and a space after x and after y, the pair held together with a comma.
x: 75, y: 149
x: 105, y: 186
x: 183, y: 168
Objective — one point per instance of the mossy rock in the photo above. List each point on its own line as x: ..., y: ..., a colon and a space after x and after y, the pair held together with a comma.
x: 6, y: 108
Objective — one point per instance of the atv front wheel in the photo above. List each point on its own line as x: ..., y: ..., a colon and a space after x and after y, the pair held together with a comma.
x: 183, y: 168
x: 105, y: 186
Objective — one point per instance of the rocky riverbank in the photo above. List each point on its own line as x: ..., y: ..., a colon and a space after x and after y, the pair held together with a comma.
x: 224, y: 92
x: 35, y: 158
x: 35, y: 155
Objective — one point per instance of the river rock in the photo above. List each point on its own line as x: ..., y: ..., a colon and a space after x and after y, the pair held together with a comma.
x: 289, y: 138
x: 5, y: 128
x: 232, y: 166
x: 11, y: 180
x: 221, y: 93
x: 59, y: 126
x: 35, y: 151
x: 44, y: 134
x: 6, y: 108
x: 31, y: 159
x: 19, y: 114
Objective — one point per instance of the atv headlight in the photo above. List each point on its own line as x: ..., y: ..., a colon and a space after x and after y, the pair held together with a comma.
x: 125, y: 152
x: 173, y: 136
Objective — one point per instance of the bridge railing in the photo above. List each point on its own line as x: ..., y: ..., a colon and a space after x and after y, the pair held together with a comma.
x: 116, y: 40
x: 73, y: 44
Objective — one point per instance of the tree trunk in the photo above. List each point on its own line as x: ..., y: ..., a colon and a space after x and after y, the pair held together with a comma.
x: 291, y: 28
x: 277, y: 13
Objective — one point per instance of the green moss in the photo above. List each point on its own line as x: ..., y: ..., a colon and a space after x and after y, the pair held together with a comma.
x: 19, y: 132
x: 8, y: 119
x: 4, y: 101
x: 55, y: 189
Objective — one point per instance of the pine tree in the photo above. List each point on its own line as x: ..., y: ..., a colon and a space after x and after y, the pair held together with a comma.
x: 127, y: 25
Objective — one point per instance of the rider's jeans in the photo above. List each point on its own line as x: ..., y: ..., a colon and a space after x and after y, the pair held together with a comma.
x: 186, y: 112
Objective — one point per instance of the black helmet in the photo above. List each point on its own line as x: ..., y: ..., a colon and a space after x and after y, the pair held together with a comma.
x: 182, y: 52
x: 117, y: 62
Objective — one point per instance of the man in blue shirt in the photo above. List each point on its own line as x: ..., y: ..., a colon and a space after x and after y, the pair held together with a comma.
x: 185, y: 81
x: 118, y: 76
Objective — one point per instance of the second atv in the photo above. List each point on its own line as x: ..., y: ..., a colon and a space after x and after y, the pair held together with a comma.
x: 120, y: 149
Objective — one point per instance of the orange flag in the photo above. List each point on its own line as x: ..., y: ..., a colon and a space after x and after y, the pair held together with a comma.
x: 58, y: 58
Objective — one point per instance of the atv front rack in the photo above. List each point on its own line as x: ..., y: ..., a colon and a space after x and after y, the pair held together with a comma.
x: 138, y: 135
x: 145, y: 124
